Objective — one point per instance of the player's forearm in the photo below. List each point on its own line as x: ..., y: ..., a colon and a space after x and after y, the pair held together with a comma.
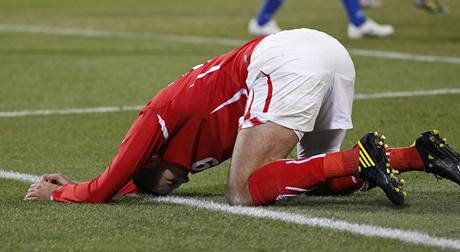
x: 85, y: 192
x: 98, y: 190
x: 144, y: 137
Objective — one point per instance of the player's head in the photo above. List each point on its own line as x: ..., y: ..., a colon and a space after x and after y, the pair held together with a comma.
x: 159, y: 178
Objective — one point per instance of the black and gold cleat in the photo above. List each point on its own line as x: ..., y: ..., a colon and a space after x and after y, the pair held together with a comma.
x: 375, y: 169
x: 438, y: 157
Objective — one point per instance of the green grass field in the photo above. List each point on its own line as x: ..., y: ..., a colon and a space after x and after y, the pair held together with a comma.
x: 45, y: 71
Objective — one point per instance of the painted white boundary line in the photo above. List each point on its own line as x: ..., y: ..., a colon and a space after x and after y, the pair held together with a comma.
x: 77, y: 32
x: 403, y: 56
x: 69, y: 111
x: 138, y: 107
x: 90, y: 33
x: 5, y: 174
x: 409, y: 236
x: 417, y: 93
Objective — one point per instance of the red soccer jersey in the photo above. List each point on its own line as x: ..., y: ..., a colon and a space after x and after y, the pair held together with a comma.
x: 192, y: 123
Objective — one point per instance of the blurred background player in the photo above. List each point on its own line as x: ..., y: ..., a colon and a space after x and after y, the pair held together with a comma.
x: 358, y: 27
x: 432, y: 6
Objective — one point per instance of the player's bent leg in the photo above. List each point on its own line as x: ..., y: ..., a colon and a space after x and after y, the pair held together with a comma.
x: 283, y: 178
x: 286, y: 178
x: 254, y: 147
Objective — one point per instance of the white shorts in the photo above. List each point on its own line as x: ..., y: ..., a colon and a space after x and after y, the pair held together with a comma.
x: 300, y: 79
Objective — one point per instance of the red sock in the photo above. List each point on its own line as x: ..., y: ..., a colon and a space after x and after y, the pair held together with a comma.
x: 284, y: 178
x: 347, y: 184
x: 402, y: 159
x: 405, y: 159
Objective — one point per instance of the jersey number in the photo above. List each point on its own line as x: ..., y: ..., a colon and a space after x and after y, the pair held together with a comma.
x: 204, y: 164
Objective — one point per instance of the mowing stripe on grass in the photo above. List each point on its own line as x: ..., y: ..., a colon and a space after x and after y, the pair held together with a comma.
x: 409, y: 236
x: 45, y: 112
x: 77, y: 32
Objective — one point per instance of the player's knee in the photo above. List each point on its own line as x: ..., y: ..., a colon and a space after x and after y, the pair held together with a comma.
x: 234, y: 200
x: 238, y: 197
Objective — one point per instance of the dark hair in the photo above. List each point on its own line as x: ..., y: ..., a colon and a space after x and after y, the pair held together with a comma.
x: 144, y: 180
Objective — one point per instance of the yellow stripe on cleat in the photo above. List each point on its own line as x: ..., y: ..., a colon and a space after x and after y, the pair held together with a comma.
x: 365, y: 153
x: 397, y: 189
x: 435, y: 132
x: 362, y: 163
x: 363, y: 159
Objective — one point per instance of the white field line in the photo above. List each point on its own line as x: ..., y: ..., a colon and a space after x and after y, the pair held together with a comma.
x: 409, y: 236
x: 5, y: 174
x: 403, y: 56
x: 432, y: 92
x: 45, y: 112
x: 69, y: 111
x: 91, y: 33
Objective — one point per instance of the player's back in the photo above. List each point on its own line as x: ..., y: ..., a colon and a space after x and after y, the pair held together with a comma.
x: 204, y: 107
x: 207, y: 84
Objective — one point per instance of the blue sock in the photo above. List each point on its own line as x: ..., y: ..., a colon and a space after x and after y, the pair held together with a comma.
x: 268, y: 9
x: 353, y: 9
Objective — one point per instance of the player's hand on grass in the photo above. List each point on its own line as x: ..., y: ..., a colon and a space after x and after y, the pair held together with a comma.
x: 56, y: 178
x: 41, y: 191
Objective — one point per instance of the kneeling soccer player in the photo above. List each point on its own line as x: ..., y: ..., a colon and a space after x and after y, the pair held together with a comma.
x: 256, y: 102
